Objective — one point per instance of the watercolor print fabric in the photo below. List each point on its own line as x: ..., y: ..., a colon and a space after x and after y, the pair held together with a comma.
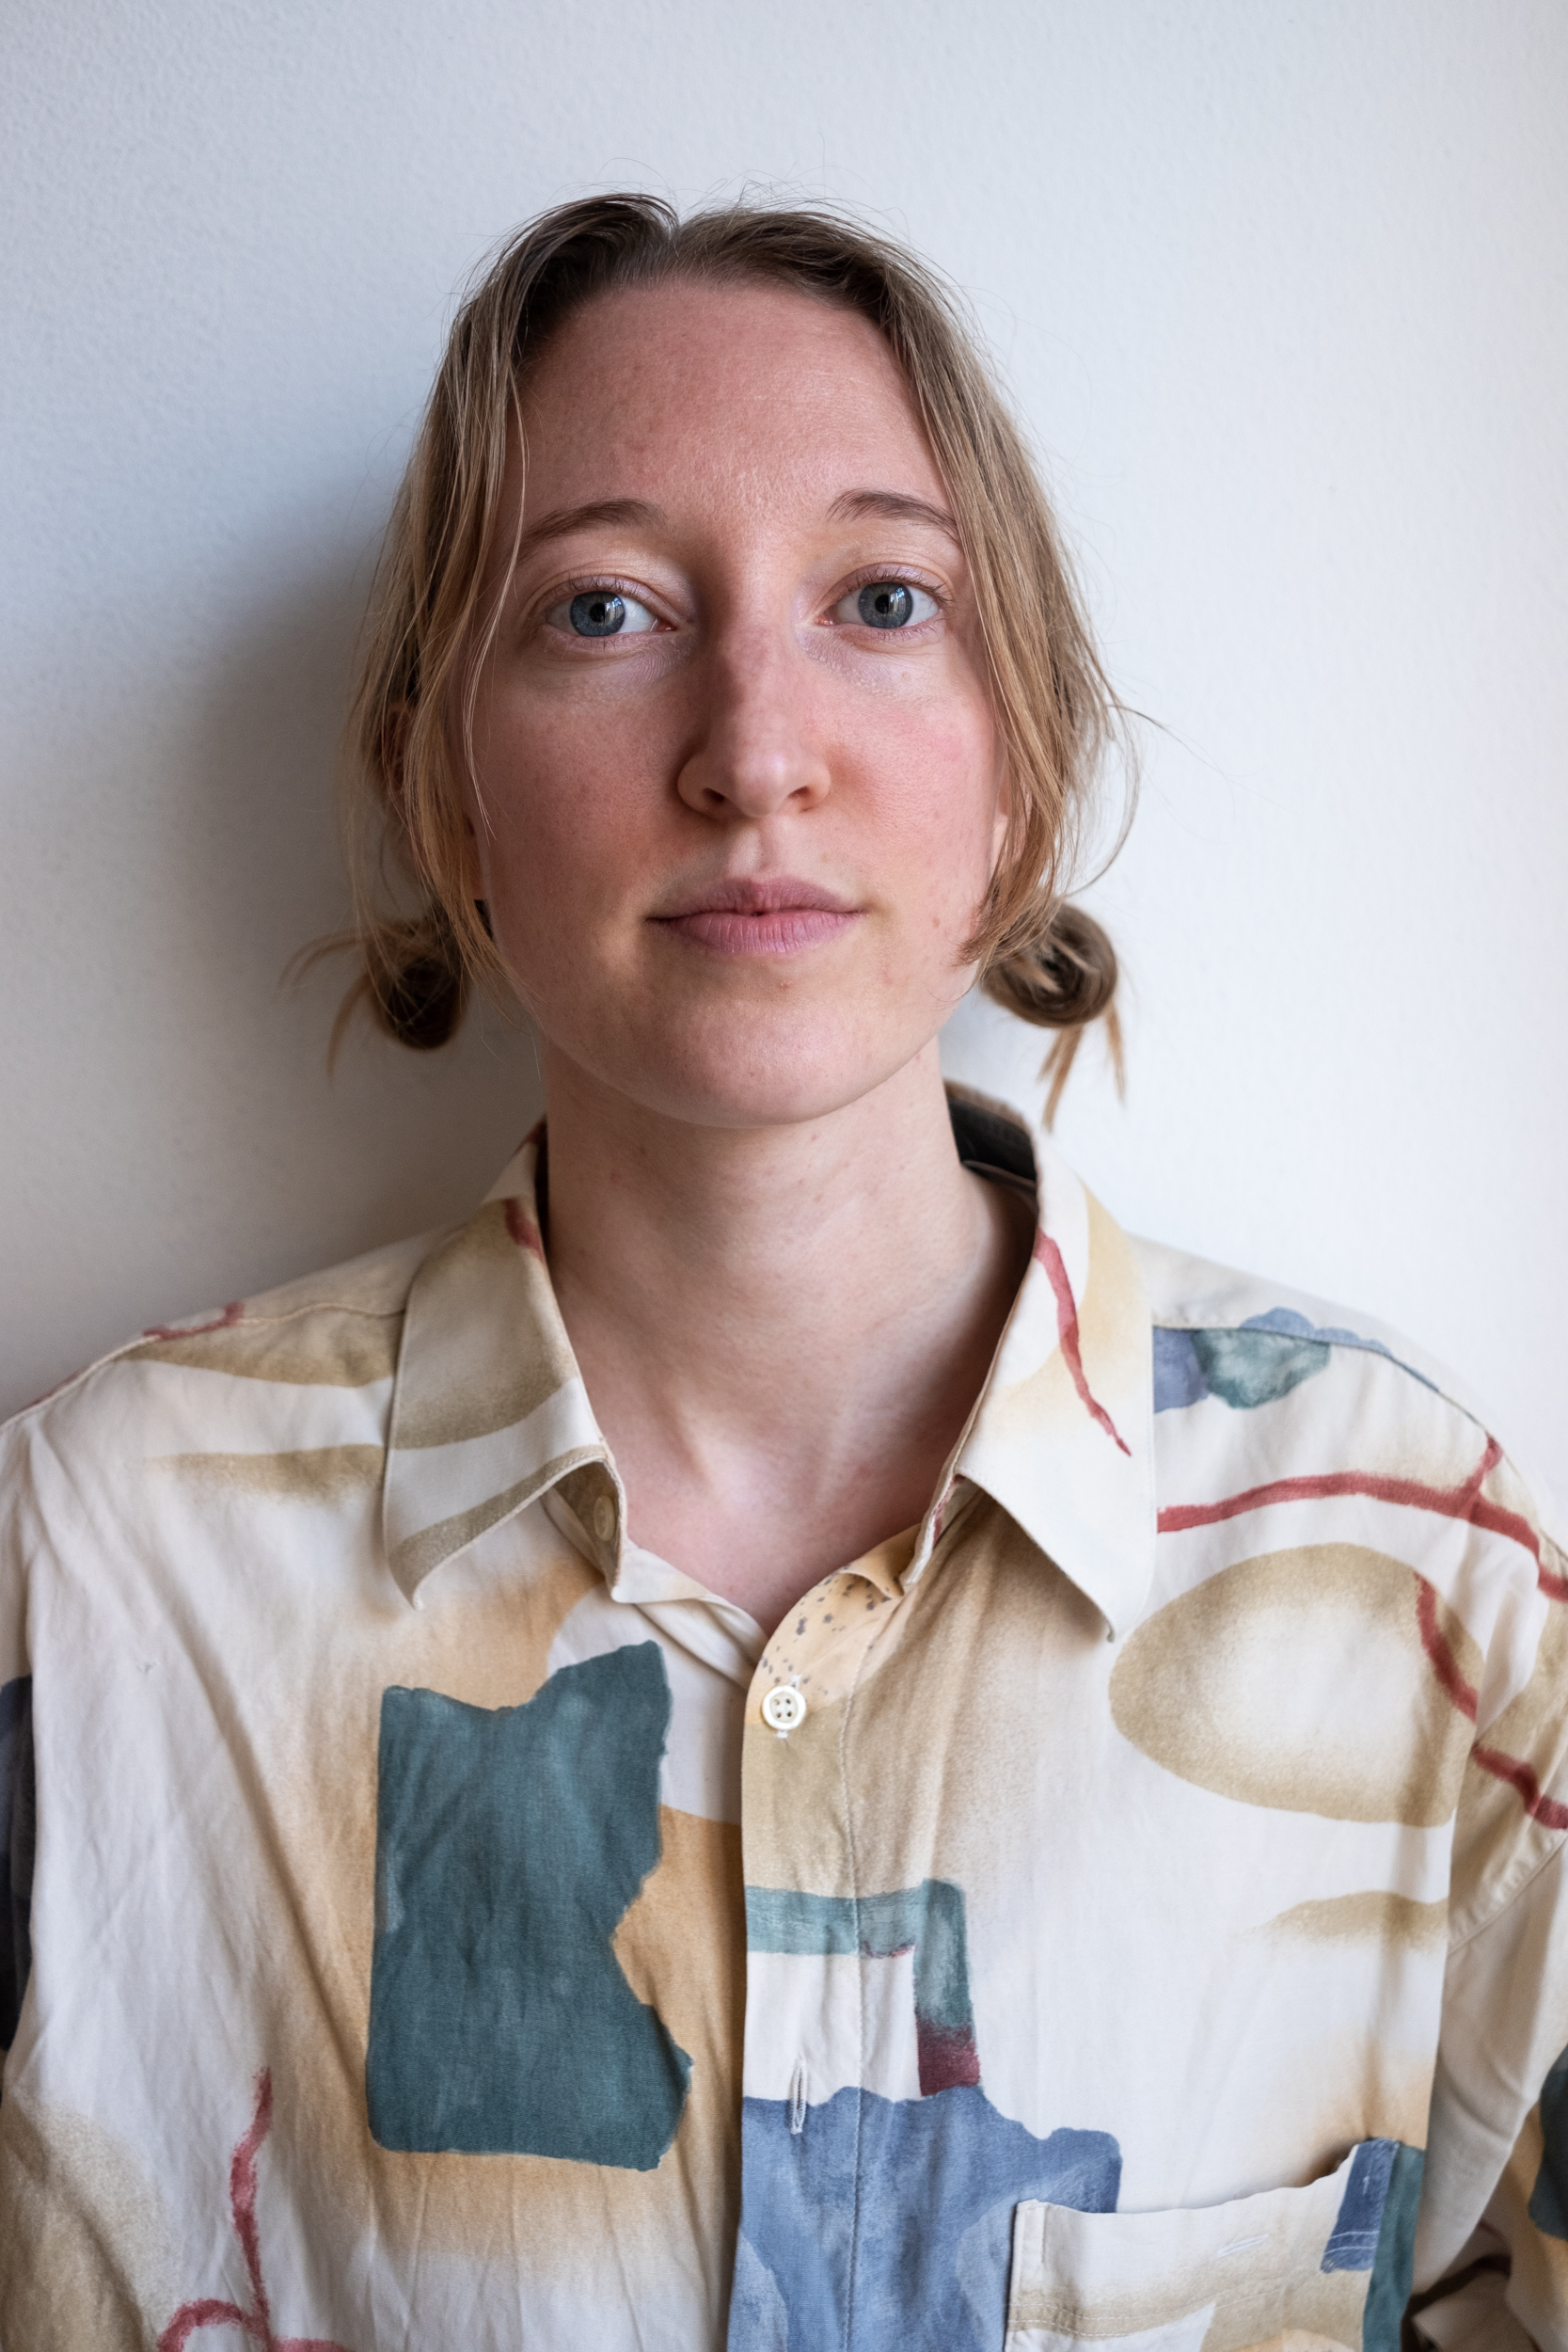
x: 1123, y: 1910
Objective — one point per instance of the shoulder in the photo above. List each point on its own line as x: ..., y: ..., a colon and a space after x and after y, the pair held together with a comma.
x: 326, y: 1334
x: 1250, y: 1342
x: 1265, y: 1395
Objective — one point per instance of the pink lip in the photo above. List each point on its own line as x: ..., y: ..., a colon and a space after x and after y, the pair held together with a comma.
x: 776, y: 917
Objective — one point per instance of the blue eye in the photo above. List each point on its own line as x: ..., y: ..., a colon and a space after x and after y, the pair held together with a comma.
x: 886, y: 604
x: 603, y: 612
x: 598, y: 614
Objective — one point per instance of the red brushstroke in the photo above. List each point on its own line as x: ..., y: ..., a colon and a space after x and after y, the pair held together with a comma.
x: 521, y: 1227
x: 225, y: 1321
x: 1445, y: 1665
x: 1050, y: 1257
x: 1463, y: 1501
x: 209, y: 2312
x: 947, y: 2057
x: 1546, y: 1810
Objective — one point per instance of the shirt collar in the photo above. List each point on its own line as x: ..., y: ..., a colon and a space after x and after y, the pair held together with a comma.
x: 489, y: 1411
x: 1063, y: 1436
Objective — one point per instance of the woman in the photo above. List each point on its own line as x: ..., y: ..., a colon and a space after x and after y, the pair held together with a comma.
x: 785, y: 1736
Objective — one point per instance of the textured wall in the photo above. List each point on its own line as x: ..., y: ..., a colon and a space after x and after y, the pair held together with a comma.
x: 1281, y: 291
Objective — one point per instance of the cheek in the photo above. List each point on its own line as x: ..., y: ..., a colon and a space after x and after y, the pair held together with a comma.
x: 560, y: 807
x: 939, y: 794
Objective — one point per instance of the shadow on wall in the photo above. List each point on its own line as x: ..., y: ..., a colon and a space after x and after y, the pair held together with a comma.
x: 179, y: 1142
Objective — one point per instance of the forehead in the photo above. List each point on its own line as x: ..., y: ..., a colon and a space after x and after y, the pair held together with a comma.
x: 658, y: 392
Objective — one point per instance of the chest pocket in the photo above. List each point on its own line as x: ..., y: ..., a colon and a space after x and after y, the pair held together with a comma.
x: 1324, y: 2266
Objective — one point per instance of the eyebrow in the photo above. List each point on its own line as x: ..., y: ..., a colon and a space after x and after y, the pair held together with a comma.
x: 894, y: 507
x: 637, y: 514
x: 623, y: 514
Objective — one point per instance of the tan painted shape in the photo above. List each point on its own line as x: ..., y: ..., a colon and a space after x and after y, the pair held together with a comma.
x: 316, y: 1347
x: 417, y: 1555
x: 1297, y: 1681
x: 1113, y: 1314
x: 85, y: 2259
x: 490, y: 1347
x: 822, y: 1642
x: 1112, y: 1345
x: 1296, y: 2339
x: 928, y: 1756
x: 681, y: 1943
x: 1257, y: 2300
x: 1371, y: 1916
x: 322, y: 1474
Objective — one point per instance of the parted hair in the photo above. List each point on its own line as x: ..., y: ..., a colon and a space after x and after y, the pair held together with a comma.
x: 435, y: 605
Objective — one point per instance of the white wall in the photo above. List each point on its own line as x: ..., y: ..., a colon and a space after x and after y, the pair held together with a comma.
x: 1282, y: 291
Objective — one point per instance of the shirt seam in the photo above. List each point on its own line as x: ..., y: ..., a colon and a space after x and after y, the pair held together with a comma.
x: 849, y: 1698
x: 1546, y: 1862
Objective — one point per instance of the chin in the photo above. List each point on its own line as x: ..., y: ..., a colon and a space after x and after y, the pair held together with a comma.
x: 778, y: 1071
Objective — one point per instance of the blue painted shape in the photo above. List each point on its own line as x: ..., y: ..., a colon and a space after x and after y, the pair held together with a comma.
x: 1178, y: 1375
x: 1353, y: 2241
x: 1289, y: 1319
x: 508, y: 1844
x: 18, y: 1846
x: 887, y: 2193
x: 1243, y: 1370
x: 1389, y: 2291
x: 1250, y: 1367
x: 1548, y: 2200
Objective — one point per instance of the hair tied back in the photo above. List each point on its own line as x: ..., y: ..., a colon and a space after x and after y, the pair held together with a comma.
x: 1062, y: 977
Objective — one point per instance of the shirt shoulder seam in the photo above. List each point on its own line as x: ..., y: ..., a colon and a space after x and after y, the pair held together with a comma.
x: 1548, y: 1862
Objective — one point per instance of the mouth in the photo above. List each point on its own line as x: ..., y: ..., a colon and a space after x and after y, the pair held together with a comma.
x: 777, y: 916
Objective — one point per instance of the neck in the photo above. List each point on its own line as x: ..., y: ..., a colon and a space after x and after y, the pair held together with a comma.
x: 775, y: 1325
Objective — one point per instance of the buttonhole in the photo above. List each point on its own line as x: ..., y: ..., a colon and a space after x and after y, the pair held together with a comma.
x: 798, y: 2097
x: 1240, y: 2244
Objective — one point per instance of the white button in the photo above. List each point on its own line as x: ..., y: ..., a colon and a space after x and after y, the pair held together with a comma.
x: 604, y: 1518
x: 782, y: 1709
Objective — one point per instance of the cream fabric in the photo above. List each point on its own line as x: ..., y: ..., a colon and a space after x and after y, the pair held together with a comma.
x: 421, y: 1939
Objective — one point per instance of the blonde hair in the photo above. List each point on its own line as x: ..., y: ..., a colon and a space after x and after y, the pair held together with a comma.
x: 435, y: 603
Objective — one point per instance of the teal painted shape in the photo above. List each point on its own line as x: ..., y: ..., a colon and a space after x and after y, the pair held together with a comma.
x: 1248, y: 1367
x: 508, y: 1844
x: 927, y: 1919
x: 1389, y: 2289
x: 1548, y: 2202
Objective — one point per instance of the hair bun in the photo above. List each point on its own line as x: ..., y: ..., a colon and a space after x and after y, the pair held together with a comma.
x: 1062, y: 977
x: 418, y: 985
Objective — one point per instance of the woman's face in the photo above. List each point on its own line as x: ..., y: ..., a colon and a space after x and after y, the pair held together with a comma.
x: 737, y: 789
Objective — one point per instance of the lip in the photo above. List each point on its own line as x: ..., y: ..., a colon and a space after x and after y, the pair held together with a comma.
x: 774, y: 916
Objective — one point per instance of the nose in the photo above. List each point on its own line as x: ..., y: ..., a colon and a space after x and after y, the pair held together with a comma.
x: 757, y: 754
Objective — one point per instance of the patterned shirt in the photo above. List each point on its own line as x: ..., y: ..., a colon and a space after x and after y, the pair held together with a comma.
x: 1126, y: 1910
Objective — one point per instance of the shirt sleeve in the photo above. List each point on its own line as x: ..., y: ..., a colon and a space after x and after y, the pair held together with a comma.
x: 1491, y: 2272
